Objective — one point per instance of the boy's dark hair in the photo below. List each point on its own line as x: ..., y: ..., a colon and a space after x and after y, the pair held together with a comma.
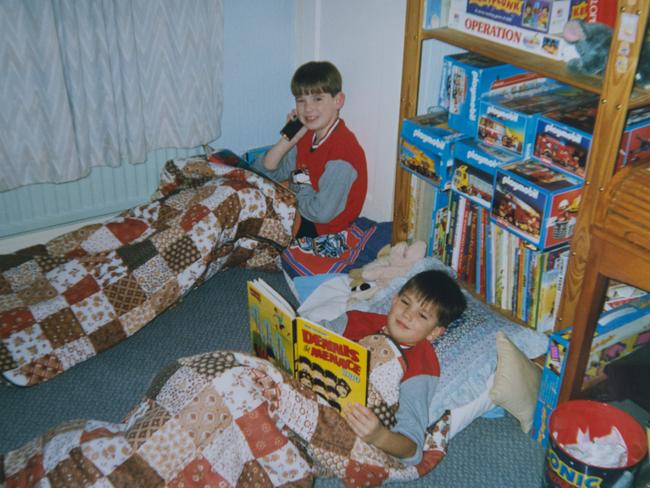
x: 316, y: 77
x: 439, y: 289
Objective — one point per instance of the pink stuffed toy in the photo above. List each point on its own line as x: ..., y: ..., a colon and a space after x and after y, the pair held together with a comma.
x: 398, y: 262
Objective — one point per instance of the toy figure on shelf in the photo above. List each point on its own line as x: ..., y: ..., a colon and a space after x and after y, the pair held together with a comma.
x: 591, y: 41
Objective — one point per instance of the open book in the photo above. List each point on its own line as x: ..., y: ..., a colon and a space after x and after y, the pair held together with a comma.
x: 334, y: 367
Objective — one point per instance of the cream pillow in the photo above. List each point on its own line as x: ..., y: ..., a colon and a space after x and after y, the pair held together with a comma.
x: 516, y: 382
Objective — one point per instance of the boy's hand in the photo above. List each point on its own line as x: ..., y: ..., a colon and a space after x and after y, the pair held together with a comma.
x: 363, y: 422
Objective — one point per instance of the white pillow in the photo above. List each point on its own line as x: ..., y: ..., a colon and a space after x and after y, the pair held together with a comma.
x: 516, y: 382
x: 462, y: 416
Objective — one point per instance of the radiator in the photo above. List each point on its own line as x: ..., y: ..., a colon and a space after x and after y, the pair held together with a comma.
x: 105, y: 191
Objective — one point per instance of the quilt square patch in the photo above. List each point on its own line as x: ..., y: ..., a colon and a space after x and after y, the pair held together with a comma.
x: 135, y: 472
x: 204, y: 417
x: 180, y: 389
x: 14, y: 321
x: 227, y: 212
x: 135, y: 319
x: 28, y: 343
x: 144, y: 427
x: 165, y: 296
x: 61, y: 327
x: 107, y: 452
x: 165, y: 238
x: 125, y: 294
x: 107, y: 335
x: 38, y: 291
x: 137, y: 254
x: 44, y: 309
x: 64, y: 276
x: 75, y: 470
x: 6, y: 361
x: 206, y: 234
x: 128, y: 230
x: 193, y: 215
x: 228, y: 453
x: 285, y: 465
x: 153, y: 274
x: 75, y: 352
x: 199, y: 473
x: 329, y: 427
x: 39, y: 370
x: 101, y: 240
x: 109, y: 269
x: 168, y: 450
x: 22, y: 275
x: 260, y: 431
x: 81, y: 290
x: 93, y: 312
x: 181, y: 254
x: 48, y: 263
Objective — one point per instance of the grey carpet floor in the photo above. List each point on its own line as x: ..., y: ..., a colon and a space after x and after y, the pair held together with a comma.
x: 489, y: 453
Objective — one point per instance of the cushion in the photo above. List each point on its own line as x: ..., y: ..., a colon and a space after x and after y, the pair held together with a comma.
x: 467, y: 351
x: 516, y: 382
x: 462, y: 416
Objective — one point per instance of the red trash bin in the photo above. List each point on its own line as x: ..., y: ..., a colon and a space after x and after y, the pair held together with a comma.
x: 562, y: 470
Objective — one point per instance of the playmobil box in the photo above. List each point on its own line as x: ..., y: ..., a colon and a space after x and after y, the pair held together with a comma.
x: 618, y: 333
x: 635, y: 143
x: 467, y: 77
x: 541, y: 43
x: 537, y: 202
x: 475, y: 165
x: 508, y: 118
x: 546, y: 16
x: 426, y: 148
x: 436, y: 13
x: 563, y: 137
x: 440, y: 211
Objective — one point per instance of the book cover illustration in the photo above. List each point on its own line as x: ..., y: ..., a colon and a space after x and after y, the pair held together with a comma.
x: 271, y: 325
x: 334, y: 367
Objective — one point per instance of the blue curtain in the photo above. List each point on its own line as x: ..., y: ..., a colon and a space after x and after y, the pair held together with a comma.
x: 91, y: 83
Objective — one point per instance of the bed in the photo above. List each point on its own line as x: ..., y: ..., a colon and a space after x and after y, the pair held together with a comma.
x: 63, y: 302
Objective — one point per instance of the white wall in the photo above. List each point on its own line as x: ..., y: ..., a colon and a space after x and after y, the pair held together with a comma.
x: 364, y: 39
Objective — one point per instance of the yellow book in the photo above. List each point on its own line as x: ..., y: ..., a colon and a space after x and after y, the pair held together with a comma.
x: 334, y: 367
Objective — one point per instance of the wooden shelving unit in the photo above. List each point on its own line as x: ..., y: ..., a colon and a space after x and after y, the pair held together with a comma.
x: 617, y: 96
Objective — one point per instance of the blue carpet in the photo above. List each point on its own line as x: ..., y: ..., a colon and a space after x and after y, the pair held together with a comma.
x: 489, y: 453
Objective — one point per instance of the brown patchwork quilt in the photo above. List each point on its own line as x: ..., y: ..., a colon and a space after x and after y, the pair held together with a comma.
x: 225, y: 419
x: 83, y: 292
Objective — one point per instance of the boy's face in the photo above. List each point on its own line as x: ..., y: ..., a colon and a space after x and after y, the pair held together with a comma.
x: 318, y: 111
x: 410, y: 320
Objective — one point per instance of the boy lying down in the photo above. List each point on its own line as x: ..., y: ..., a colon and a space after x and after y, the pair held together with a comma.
x: 227, y: 418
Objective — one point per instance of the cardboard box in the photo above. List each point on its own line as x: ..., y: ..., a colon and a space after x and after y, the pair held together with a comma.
x: 545, y: 16
x: 475, y: 165
x: 537, y: 202
x: 618, y: 333
x: 436, y: 13
x: 563, y: 137
x: 439, y: 215
x: 635, y: 143
x: 508, y: 117
x: 467, y: 76
x: 543, y: 44
x: 603, y: 11
x: 426, y: 148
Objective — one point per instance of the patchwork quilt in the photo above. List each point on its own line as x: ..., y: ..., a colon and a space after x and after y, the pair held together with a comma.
x: 225, y: 419
x: 85, y: 291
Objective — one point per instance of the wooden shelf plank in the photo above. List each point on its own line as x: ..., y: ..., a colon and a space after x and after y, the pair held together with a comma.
x: 545, y: 66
